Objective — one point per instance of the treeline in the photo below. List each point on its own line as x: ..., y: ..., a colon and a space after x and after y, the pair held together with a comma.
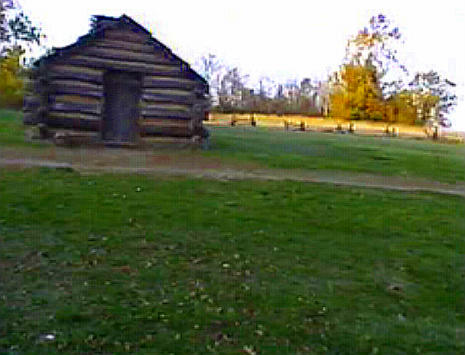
x: 231, y: 93
x: 371, y: 84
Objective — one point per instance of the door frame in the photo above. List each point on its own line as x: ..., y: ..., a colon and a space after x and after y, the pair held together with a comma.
x: 136, y: 126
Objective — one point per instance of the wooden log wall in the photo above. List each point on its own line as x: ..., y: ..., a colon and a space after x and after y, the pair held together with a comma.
x: 172, y: 102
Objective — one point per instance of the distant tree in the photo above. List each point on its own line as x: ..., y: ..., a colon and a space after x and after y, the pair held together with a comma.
x: 376, y: 44
x: 212, y: 70
x: 357, y: 94
x: 16, y: 30
x: 372, y: 82
x: 434, y: 97
x: 231, y: 89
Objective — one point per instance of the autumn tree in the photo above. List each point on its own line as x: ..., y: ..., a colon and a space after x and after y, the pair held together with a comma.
x: 16, y: 34
x: 357, y: 93
x: 372, y: 80
x: 433, y: 97
x: 377, y: 45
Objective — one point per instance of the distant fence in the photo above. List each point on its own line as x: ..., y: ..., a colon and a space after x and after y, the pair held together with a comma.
x: 319, y: 124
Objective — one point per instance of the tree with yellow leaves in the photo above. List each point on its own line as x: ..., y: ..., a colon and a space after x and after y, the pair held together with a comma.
x: 16, y: 34
x: 356, y: 94
x: 11, y: 82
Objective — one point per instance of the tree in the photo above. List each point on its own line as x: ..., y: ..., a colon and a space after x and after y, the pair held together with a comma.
x: 16, y: 30
x: 376, y: 44
x: 11, y: 79
x: 361, y: 90
x: 213, y: 71
x: 357, y: 93
x: 433, y: 97
x: 231, y: 89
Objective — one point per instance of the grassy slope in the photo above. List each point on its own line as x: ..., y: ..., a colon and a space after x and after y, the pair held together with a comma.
x: 386, y: 156
x: 278, y: 149
x: 118, y: 264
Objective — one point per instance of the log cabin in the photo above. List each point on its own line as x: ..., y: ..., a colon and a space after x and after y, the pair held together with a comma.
x: 117, y: 85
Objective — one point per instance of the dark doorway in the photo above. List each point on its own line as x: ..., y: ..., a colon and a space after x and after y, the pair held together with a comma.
x: 122, y: 94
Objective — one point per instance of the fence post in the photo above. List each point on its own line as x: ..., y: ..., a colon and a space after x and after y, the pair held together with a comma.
x: 387, y: 130
x: 233, y: 120
x: 253, y: 122
x: 352, y: 127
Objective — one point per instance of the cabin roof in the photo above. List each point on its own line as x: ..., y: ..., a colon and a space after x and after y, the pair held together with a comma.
x: 104, y: 23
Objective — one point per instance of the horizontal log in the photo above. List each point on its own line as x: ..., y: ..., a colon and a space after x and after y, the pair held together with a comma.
x: 165, y: 106
x: 137, y: 47
x: 74, y: 69
x: 174, y: 92
x: 76, y: 91
x: 150, y: 78
x: 79, y: 73
x: 160, y: 113
x: 76, y: 88
x: 126, y: 55
x: 166, y: 131
x: 99, y: 63
x: 160, y: 98
x: 163, y: 122
x: 103, y: 64
x: 31, y: 118
x: 76, y: 76
x: 75, y: 121
x: 84, y: 68
x: 31, y: 103
x: 171, y: 83
x: 78, y: 99
x: 76, y: 83
x: 127, y: 36
x: 70, y: 107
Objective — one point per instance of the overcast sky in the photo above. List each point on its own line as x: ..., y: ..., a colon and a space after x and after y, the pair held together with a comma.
x: 283, y: 39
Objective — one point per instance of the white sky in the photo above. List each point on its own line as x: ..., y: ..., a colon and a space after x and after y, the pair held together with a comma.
x: 280, y: 39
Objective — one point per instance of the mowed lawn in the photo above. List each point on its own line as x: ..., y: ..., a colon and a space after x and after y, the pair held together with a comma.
x: 114, y: 264
x: 305, y: 150
x: 311, y: 150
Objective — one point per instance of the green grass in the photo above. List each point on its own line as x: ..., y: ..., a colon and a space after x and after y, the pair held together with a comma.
x: 295, y: 150
x: 385, y: 156
x: 12, y: 131
x: 129, y: 264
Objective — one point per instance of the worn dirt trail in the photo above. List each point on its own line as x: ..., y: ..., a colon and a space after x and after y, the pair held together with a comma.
x: 125, y: 161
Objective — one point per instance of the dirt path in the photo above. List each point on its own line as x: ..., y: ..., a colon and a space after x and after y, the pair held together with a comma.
x: 191, y: 164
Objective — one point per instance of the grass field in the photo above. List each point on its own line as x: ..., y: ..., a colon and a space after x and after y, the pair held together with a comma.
x: 126, y: 264
x: 307, y: 150
x: 113, y: 264
x: 302, y: 150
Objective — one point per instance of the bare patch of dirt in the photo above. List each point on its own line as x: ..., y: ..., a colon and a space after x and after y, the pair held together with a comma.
x: 188, y: 163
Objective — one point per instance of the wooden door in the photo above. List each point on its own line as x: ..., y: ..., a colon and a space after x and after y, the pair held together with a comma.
x: 122, y: 95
